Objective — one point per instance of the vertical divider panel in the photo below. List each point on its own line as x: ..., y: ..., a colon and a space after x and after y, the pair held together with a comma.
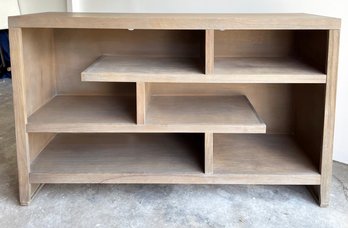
x: 208, y: 152
x: 143, y: 96
x: 209, y: 51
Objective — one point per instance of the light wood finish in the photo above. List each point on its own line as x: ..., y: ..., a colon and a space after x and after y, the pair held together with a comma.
x: 272, y: 102
x: 227, y: 70
x: 141, y: 102
x: 262, y: 155
x: 184, y: 98
x: 37, y: 142
x: 254, y: 43
x: 212, y: 113
x: 71, y: 44
x: 329, y: 119
x: 132, y: 154
x: 164, y: 114
x: 39, y: 67
x: 26, y: 189
x: 209, y: 51
x: 131, y: 158
x: 175, y: 21
x: 266, y: 70
x: 148, y: 69
x: 209, y: 151
x: 83, y: 112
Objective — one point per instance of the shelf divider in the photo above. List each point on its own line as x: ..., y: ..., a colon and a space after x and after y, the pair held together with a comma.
x: 142, y: 100
x: 208, y: 152
x: 209, y: 51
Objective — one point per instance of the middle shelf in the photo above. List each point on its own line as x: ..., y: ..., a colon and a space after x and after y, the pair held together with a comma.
x: 230, y: 114
x: 178, y: 69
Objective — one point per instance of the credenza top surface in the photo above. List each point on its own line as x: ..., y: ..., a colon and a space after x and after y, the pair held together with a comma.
x: 174, y: 21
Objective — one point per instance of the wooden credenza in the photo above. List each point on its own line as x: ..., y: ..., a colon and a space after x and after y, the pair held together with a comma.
x: 174, y: 99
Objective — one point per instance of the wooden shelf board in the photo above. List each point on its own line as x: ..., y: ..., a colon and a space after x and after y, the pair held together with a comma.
x: 83, y: 112
x: 227, y: 70
x: 266, y: 70
x: 143, y: 68
x: 79, y: 114
x: 260, y: 154
x: 150, y: 178
x: 216, y: 113
x: 120, y: 154
x: 175, y: 21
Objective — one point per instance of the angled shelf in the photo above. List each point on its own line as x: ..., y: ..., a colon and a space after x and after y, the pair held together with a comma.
x: 143, y: 68
x: 233, y: 114
x: 108, y: 158
x: 266, y: 70
x: 83, y: 113
x: 263, y: 157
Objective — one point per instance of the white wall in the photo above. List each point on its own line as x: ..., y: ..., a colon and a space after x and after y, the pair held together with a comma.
x: 38, y: 6
x: 17, y: 7
x: 7, y: 8
x: 336, y: 8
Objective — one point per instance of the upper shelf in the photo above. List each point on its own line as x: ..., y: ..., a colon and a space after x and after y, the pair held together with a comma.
x: 151, y: 69
x: 266, y: 70
x: 174, y: 21
x: 227, y: 70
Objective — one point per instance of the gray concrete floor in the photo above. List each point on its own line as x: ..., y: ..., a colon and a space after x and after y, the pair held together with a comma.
x: 160, y: 205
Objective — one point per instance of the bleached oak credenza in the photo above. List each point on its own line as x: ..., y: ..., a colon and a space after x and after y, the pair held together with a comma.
x: 174, y: 98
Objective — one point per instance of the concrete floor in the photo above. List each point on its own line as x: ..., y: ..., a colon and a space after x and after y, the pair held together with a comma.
x: 160, y: 205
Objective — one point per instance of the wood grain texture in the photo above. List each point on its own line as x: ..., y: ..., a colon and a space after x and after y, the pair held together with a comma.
x: 209, y: 51
x: 272, y: 102
x: 141, y: 102
x: 37, y: 142
x: 142, y: 158
x: 39, y: 67
x: 19, y: 102
x: 208, y: 112
x: 227, y: 70
x: 134, y: 69
x: 175, y: 21
x: 262, y: 154
x: 208, y: 153
x: 120, y: 154
x: 329, y: 119
x: 266, y: 70
x: 254, y: 43
x: 72, y: 44
x: 256, y: 70
x: 164, y: 114
x: 83, y: 111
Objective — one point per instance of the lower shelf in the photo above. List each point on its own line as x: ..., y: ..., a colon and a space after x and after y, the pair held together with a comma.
x: 172, y: 159
x: 134, y: 154
x: 262, y: 155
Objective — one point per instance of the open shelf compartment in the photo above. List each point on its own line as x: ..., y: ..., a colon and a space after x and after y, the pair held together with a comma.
x: 84, y: 114
x: 123, y: 158
x: 144, y: 68
x: 215, y: 113
x: 270, y: 56
x: 264, y: 158
x: 146, y: 55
